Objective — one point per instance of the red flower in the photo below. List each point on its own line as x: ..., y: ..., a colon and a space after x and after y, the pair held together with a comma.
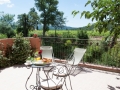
x: 40, y: 51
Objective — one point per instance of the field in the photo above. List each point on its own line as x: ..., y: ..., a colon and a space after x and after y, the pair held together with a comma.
x: 92, y: 33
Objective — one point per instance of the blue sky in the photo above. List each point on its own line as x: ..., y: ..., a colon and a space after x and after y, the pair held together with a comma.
x: 67, y: 6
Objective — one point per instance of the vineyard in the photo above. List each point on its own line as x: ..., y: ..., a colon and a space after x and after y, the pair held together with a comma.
x: 90, y: 33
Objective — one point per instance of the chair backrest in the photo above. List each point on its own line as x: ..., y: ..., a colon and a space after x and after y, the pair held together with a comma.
x: 77, y: 56
x: 47, y: 52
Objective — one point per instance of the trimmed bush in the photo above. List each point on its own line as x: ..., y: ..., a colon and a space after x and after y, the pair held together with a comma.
x: 84, y: 38
x: 21, y: 49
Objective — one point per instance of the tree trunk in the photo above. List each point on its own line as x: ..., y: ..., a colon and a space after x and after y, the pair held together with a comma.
x: 44, y: 27
x: 55, y: 32
x: 113, y: 40
x: 44, y: 30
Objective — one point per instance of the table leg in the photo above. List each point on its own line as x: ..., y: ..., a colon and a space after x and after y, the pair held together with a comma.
x: 38, y: 84
x: 28, y: 79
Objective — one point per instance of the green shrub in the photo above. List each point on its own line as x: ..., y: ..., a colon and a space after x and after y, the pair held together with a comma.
x: 69, y: 35
x: 4, y: 62
x: 21, y: 49
x: 105, y: 43
x: 115, y: 53
x: 62, y: 50
x: 10, y: 34
x: 107, y: 59
x: 84, y: 38
x: 93, y: 54
x: 3, y: 36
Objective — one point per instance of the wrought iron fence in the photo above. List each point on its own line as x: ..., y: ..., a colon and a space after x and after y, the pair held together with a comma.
x: 98, y: 51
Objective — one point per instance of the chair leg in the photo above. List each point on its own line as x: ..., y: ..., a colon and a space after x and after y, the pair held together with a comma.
x: 70, y: 83
x: 80, y: 68
x: 74, y: 68
x: 66, y: 86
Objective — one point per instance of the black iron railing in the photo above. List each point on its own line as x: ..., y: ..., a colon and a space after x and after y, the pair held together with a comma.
x: 98, y: 51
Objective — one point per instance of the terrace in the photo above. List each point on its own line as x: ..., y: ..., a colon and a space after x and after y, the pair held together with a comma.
x: 93, y: 76
x: 14, y: 78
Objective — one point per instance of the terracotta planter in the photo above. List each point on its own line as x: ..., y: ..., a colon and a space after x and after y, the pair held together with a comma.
x: 35, y: 43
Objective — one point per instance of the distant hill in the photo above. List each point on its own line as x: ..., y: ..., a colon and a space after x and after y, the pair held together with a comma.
x: 87, y: 27
x: 52, y: 28
x: 69, y: 28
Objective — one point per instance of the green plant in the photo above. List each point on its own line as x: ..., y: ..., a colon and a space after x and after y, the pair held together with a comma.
x: 68, y: 34
x: 4, y: 62
x: 93, y: 54
x: 3, y: 36
x: 10, y: 34
x: 82, y: 38
x: 107, y: 59
x: 21, y: 49
x: 115, y: 53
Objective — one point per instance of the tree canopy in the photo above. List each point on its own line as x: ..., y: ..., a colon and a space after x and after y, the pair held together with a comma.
x: 107, y: 14
x: 7, y: 24
x: 23, y: 24
x: 49, y: 12
x: 34, y: 19
x: 27, y: 22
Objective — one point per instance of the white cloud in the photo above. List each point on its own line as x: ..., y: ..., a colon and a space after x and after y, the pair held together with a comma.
x: 10, y: 5
x: 4, y: 1
x: 8, y: 2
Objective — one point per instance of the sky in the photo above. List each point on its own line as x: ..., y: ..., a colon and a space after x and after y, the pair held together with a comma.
x: 17, y: 7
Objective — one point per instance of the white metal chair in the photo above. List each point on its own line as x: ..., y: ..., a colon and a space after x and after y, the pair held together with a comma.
x: 75, y: 58
x: 47, y: 52
x: 54, y: 82
x: 77, y: 55
x: 72, y: 62
x: 60, y: 71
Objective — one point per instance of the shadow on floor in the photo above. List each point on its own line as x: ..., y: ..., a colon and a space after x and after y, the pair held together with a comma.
x: 118, y: 87
x: 111, y: 87
x: 80, y: 71
x: 117, y: 78
x: 19, y: 66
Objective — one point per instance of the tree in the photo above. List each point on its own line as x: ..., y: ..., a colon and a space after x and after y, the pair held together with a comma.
x: 33, y: 19
x: 23, y: 24
x: 107, y: 15
x: 7, y: 24
x: 48, y: 9
x: 28, y: 22
x: 59, y: 21
x: 7, y: 18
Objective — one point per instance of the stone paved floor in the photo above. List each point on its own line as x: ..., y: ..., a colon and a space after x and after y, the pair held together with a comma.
x: 14, y: 78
